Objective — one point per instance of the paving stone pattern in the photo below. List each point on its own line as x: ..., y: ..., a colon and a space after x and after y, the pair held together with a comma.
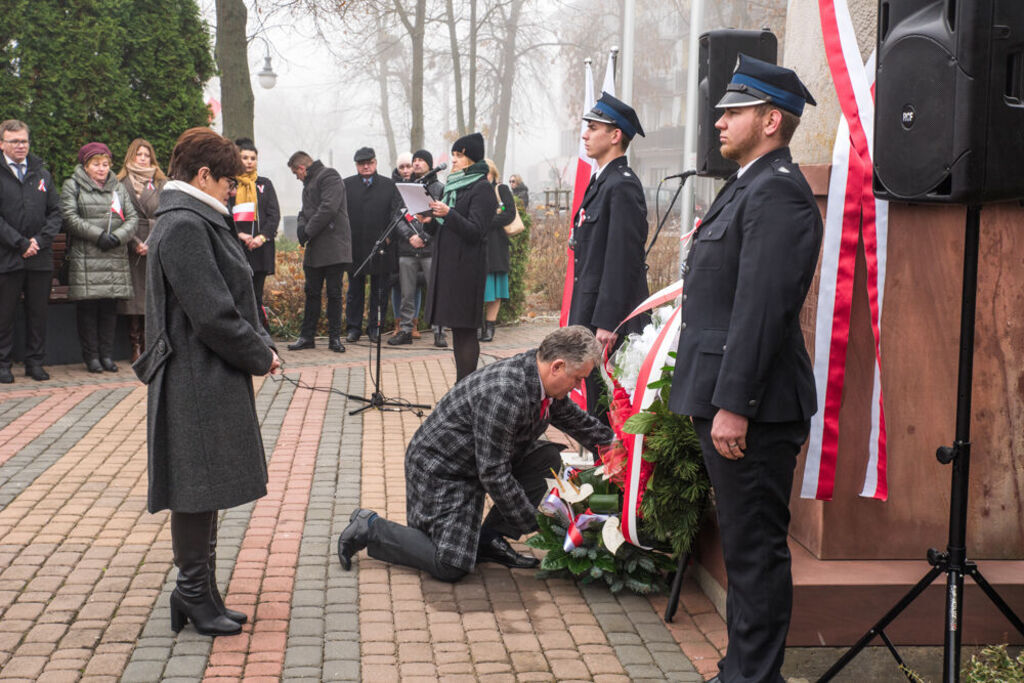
x: 86, y: 572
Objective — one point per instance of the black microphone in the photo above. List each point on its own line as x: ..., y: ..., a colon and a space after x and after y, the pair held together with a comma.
x: 684, y: 175
x: 432, y: 172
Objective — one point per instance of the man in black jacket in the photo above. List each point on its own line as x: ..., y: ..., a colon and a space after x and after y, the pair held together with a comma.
x: 323, y: 228
x: 609, y: 233
x: 742, y: 372
x: 372, y: 204
x: 29, y: 220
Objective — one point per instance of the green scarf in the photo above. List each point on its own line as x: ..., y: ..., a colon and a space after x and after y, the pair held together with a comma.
x: 460, y: 179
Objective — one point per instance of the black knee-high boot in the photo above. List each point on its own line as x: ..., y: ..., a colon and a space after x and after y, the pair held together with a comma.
x: 231, y: 614
x: 191, y: 599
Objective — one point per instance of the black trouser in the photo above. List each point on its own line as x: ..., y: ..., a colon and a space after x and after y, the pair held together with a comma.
x: 398, y: 544
x: 258, y: 282
x: 35, y: 284
x: 97, y: 322
x: 752, y: 504
x: 315, y: 278
x: 356, y: 299
x: 466, y: 347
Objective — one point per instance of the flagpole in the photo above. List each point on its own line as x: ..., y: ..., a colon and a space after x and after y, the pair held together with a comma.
x: 690, y: 131
x: 614, y: 56
x: 628, y: 48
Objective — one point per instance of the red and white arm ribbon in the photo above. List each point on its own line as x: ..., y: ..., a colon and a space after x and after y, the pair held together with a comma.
x: 852, y: 214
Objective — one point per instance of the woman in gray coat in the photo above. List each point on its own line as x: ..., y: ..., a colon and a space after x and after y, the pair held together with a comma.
x: 204, y: 342
x: 99, y: 219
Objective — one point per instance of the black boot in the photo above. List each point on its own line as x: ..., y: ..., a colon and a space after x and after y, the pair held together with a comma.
x: 191, y: 600
x: 488, y: 333
x: 231, y: 614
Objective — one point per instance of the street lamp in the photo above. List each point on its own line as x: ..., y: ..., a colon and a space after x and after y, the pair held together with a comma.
x: 266, y: 75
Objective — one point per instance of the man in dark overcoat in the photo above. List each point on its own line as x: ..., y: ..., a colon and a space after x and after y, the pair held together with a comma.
x: 742, y: 370
x: 323, y: 228
x: 372, y: 204
x: 29, y: 220
x: 609, y: 233
x: 481, y: 440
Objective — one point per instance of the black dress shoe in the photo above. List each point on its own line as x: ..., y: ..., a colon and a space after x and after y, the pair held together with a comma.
x: 498, y: 550
x: 402, y: 337
x: 6, y: 377
x: 335, y: 345
x: 37, y: 373
x: 355, y: 536
x: 439, y: 339
x: 302, y: 343
x: 373, y: 334
x: 108, y: 364
x: 93, y: 365
x: 353, y: 336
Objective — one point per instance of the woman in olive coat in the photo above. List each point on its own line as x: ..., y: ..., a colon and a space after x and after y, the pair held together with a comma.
x: 143, y: 178
x: 465, y: 211
x: 204, y: 342
x: 100, y: 219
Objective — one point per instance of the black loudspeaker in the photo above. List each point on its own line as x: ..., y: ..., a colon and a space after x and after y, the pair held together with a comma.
x: 719, y: 51
x: 949, y: 114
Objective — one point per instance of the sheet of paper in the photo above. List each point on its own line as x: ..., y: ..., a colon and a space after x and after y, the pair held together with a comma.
x: 415, y: 197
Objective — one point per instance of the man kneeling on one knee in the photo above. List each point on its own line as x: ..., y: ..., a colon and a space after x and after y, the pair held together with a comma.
x: 482, y: 439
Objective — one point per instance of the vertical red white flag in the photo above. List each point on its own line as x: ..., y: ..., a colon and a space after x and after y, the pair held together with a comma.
x: 115, y: 205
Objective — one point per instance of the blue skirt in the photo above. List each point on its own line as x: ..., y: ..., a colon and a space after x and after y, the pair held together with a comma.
x: 496, y: 287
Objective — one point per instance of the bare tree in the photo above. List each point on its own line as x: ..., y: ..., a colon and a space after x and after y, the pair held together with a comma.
x: 231, y: 51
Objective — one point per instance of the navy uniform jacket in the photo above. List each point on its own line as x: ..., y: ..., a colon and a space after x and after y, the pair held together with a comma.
x: 610, y: 234
x: 745, y: 279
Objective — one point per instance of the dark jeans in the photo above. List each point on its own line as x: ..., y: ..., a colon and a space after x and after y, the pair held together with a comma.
x: 35, y: 284
x: 97, y: 322
x: 356, y: 299
x: 398, y: 544
x: 752, y: 504
x: 315, y: 278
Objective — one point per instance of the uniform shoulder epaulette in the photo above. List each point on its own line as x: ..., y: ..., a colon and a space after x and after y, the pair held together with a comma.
x: 783, y: 167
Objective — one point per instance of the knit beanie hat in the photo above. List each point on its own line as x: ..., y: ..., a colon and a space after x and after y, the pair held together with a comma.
x: 91, y: 149
x: 471, y: 145
x: 425, y: 155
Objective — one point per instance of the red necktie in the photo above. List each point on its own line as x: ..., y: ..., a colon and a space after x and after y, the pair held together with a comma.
x: 545, y: 402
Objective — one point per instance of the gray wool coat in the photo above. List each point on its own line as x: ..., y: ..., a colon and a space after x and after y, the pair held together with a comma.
x: 204, y: 342
x: 85, y: 208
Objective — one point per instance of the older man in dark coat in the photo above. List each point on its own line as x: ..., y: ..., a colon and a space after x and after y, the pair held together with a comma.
x: 742, y: 370
x: 372, y: 204
x: 609, y: 233
x: 323, y: 228
x: 29, y: 220
x: 481, y: 440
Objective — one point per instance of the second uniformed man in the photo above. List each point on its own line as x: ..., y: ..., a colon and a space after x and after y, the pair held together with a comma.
x: 609, y: 233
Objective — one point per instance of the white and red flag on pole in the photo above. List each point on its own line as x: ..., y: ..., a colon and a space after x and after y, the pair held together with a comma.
x: 246, y: 211
x: 115, y: 206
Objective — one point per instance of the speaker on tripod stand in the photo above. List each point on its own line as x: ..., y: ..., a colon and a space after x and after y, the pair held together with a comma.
x: 949, y: 128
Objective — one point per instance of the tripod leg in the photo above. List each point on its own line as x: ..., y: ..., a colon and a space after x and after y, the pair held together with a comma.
x: 997, y: 600
x: 677, y: 587
x: 880, y: 625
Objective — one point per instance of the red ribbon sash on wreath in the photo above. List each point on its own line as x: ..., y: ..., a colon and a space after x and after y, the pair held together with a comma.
x: 853, y: 215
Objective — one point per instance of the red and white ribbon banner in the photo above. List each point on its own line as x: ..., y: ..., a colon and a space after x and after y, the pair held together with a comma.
x: 853, y: 215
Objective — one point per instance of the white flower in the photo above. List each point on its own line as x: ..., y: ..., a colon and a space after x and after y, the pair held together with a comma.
x: 630, y: 356
x: 612, y: 535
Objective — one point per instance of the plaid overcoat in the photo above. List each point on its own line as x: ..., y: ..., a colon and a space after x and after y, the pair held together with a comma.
x: 467, y: 446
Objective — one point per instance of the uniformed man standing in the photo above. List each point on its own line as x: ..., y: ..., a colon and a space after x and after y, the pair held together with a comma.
x: 742, y: 371
x: 609, y: 233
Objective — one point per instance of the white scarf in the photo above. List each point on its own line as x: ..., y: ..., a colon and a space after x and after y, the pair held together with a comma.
x: 193, y: 191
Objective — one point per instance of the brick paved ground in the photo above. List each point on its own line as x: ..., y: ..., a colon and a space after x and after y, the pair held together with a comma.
x: 85, y: 571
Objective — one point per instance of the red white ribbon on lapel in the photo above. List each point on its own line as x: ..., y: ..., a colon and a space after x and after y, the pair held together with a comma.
x: 852, y: 214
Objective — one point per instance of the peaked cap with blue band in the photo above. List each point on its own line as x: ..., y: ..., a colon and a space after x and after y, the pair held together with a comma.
x: 758, y: 82
x: 617, y: 113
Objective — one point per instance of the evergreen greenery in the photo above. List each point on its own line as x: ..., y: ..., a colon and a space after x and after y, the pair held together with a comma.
x: 519, y: 258
x: 104, y: 70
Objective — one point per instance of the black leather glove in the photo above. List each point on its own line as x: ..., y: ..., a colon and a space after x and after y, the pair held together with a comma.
x: 107, y: 241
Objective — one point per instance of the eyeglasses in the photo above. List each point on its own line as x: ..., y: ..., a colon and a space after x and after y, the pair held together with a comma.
x: 16, y: 143
x: 232, y: 184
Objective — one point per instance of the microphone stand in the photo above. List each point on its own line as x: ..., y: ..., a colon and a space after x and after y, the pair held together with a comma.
x: 661, y: 222
x: 377, y: 399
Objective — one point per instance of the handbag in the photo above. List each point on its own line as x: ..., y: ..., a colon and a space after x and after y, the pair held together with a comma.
x: 516, y: 226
